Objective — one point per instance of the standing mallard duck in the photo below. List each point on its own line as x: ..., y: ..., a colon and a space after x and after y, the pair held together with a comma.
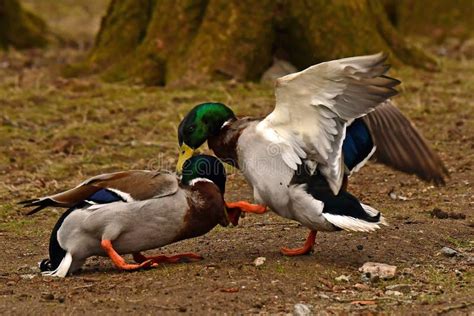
x: 299, y: 156
x: 133, y: 211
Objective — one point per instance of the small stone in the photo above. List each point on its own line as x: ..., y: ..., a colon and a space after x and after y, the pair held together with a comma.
x: 301, y: 310
x: 259, y: 261
x: 361, y: 287
x: 392, y: 195
x: 342, y: 278
x: 393, y: 293
x: 448, y: 252
x: 338, y: 288
x: 455, y: 215
x: 360, y: 247
x: 404, y: 288
x: 375, y: 270
x: 458, y: 273
x: 439, y: 213
x: 61, y: 299
x: 47, y: 296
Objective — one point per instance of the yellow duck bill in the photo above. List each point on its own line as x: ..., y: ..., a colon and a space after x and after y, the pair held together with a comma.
x: 185, y: 152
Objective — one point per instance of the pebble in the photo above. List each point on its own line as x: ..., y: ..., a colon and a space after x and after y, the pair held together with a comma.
x: 361, y: 287
x: 301, y: 310
x: 448, y: 252
x: 259, y: 261
x: 342, y: 278
x: 47, y: 296
x: 439, y: 213
x: 393, y: 293
x: 374, y: 271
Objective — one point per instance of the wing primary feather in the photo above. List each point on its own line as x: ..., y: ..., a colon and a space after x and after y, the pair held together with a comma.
x: 314, y: 105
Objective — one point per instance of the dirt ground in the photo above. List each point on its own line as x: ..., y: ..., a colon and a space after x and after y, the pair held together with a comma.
x: 55, y: 132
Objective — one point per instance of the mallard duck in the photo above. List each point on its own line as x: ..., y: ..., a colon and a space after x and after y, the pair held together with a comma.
x: 132, y: 211
x: 320, y: 124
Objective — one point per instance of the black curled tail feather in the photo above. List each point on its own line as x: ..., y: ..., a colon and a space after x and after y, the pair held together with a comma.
x: 56, y: 253
x: 38, y: 203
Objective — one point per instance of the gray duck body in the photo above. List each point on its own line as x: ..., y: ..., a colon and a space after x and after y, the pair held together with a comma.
x: 141, y: 225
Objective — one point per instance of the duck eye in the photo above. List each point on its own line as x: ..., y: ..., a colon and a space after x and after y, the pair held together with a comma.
x: 191, y: 128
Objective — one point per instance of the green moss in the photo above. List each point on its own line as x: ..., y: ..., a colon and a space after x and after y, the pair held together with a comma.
x: 436, y: 18
x: 460, y: 244
x: 20, y: 28
x: 194, y: 41
x: 122, y: 30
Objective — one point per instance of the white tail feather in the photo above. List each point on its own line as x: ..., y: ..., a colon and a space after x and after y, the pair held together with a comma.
x: 63, y: 268
x: 373, y: 212
x: 356, y: 224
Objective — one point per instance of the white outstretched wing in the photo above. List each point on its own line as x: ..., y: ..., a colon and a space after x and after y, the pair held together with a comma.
x: 313, y: 107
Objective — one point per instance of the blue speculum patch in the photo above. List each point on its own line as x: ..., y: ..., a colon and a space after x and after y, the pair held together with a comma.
x: 357, y: 145
x: 105, y: 196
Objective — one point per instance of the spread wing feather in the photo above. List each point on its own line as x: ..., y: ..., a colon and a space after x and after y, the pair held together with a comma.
x: 314, y: 106
x: 401, y: 146
x: 133, y: 185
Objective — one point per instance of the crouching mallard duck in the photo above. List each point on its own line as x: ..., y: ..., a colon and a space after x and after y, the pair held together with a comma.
x: 132, y: 211
x: 318, y: 125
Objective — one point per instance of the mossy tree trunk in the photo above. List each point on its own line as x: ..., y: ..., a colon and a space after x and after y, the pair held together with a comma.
x: 20, y: 28
x: 192, y: 41
x: 437, y: 18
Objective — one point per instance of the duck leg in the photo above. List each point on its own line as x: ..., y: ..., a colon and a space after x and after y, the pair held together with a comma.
x: 119, y: 261
x: 247, y: 207
x: 306, y: 249
x: 183, y: 257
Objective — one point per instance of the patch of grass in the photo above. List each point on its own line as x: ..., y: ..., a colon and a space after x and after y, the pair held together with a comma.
x: 460, y: 244
x: 280, y: 268
x: 6, y: 210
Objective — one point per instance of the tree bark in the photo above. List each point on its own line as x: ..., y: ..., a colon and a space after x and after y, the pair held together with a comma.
x: 163, y: 42
x: 438, y: 18
x: 19, y: 28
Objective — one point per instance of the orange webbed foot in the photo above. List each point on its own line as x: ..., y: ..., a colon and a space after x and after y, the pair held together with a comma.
x: 306, y: 249
x: 119, y: 261
x: 184, y: 257
x: 247, y: 207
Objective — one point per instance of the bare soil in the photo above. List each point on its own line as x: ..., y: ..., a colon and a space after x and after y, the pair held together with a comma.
x: 55, y: 132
